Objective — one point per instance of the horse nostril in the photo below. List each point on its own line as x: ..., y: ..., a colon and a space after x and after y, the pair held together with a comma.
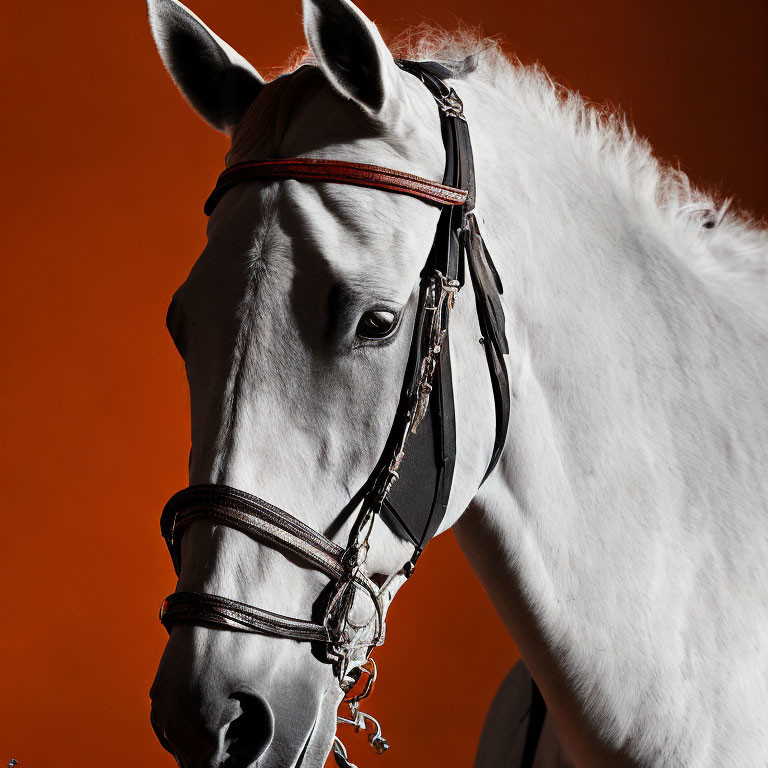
x: 249, y: 735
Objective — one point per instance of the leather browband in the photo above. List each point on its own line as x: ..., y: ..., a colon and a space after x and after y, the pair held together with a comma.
x: 335, y: 172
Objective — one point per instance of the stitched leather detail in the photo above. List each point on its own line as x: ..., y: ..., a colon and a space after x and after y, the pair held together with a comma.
x: 251, y: 515
x: 335, y: 172
x: 199, y: 607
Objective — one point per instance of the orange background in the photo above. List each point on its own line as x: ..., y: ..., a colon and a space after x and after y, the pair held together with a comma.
x: 104, y: 173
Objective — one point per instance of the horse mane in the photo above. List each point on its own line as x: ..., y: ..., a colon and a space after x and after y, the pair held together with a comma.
x: 727, y: 248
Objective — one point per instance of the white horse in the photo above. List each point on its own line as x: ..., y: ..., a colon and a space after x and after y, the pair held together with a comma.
x: 623, y: 537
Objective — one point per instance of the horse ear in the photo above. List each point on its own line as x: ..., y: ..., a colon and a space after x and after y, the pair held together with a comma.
x: 348, y: 47
x: 215, y: 79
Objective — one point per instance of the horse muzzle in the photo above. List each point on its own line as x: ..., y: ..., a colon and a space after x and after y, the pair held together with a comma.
x: 207, y: 714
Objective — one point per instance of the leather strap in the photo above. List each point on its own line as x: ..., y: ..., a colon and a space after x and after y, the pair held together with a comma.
x: 485, y: 279
x: 251, y: 515
x: 418, y: 502
x: 490, y: 313
x: 202, y: 608
x: 335, y: 172
x: 265, y: 522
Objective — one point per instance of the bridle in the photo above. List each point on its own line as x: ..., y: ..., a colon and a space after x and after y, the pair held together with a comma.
x: 409, y: 489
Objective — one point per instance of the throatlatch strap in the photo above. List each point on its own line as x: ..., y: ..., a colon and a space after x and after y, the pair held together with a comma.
x: 488, y: 288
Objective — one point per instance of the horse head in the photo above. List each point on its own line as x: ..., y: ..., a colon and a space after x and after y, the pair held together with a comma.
x: 296, y: 327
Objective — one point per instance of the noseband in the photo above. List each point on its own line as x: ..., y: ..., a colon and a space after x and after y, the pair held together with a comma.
x: 411, y: 484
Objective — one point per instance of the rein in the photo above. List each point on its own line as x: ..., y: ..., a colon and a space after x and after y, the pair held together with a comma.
x: 411, y: 484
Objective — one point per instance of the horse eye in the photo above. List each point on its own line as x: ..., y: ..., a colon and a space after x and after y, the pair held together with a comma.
x: 377, y: 324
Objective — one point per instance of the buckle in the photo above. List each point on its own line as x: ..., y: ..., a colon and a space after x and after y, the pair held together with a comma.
x: 451, y: 105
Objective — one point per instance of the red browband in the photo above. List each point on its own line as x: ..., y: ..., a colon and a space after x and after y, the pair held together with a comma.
x: 335, y: 172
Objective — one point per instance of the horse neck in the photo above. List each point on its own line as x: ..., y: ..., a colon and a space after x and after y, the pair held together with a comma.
x: 627, y: 516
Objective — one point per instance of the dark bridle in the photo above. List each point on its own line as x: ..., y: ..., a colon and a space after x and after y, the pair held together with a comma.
x: 411, y: 483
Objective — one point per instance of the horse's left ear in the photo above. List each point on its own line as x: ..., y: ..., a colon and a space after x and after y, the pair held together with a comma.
x: 349, y: 49
x: 214, y: 78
